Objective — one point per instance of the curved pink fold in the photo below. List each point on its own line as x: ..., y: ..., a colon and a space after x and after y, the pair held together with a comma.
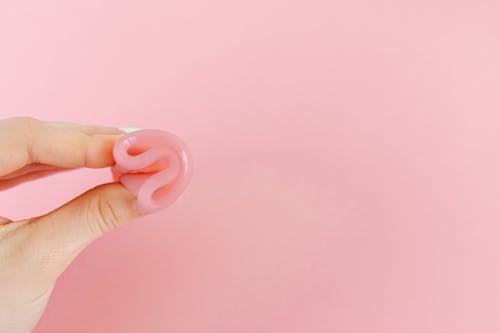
x: 154, y: 165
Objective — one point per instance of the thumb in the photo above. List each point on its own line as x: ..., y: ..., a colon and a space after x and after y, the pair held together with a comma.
x: 61, y: 234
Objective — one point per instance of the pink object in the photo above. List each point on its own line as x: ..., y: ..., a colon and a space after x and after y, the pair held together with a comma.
x: 154, y: 165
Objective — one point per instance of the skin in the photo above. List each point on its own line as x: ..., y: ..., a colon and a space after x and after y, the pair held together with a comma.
x: 34, y: 252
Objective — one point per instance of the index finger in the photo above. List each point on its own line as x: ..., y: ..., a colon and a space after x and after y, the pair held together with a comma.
x: 25, y: 140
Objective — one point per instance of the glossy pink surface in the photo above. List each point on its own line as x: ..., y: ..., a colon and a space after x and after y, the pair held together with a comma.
x: 155, y: 188
x: 346, y: 161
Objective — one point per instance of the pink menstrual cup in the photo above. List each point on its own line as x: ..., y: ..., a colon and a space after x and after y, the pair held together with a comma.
x: 154, y: 165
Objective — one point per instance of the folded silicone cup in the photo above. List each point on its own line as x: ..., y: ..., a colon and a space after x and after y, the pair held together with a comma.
x: 154, y: 165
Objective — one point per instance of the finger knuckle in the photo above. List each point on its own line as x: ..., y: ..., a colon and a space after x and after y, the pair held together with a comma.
x: 107, y: 217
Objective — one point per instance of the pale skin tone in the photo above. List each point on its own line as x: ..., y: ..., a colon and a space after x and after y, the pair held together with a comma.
x: 34, y: 252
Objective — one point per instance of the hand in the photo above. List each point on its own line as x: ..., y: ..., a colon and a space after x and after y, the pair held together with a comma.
x: 35, y: 251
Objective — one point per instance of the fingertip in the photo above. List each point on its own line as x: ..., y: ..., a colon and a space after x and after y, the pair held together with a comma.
x: 123, y: 199
x: 99, y: 152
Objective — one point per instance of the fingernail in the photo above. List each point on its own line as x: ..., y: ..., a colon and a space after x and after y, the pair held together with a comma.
x: 129, y: 129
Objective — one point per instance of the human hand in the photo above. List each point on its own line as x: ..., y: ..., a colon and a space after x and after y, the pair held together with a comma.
x: 35, y: 251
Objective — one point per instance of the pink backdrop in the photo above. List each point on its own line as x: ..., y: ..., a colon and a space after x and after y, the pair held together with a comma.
x: 347, y: 160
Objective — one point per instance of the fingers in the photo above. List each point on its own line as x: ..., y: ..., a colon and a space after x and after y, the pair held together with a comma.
x: 60, y: 235
x: 28, y: 176
x: 86, y: 129
x: 24, y: 141
x: 28, y: 169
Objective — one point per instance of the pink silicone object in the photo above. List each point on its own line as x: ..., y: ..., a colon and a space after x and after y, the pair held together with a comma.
x: 158, y: 188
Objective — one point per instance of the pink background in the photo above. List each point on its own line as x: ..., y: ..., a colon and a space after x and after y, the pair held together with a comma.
x: 347, y: 160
